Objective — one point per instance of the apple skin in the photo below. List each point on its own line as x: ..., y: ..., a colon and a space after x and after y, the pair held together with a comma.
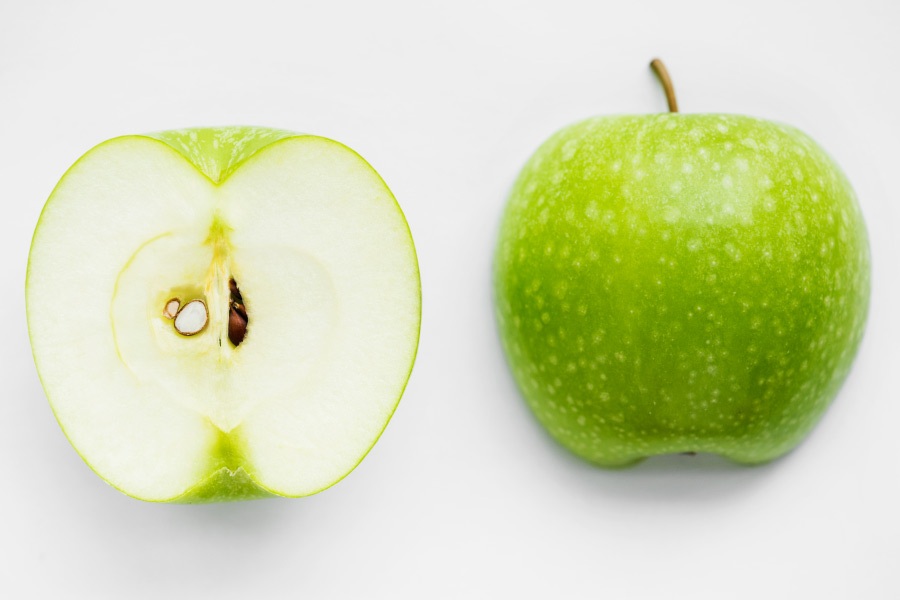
x: 680, y: 283
x: 217, y: 152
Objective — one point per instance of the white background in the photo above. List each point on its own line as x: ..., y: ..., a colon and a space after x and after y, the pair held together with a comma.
x: 464, y: 496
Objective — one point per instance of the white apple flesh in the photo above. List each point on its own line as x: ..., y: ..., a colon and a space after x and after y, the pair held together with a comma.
x: 153, y: 233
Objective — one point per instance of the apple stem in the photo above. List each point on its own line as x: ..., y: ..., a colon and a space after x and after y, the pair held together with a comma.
x: 660, y: 69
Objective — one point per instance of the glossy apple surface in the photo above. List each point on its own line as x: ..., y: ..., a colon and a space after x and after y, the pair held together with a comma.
x: 680, y: 283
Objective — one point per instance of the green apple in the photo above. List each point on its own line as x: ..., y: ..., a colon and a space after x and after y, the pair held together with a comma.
x: 222, y: 314
x: 677, y: 283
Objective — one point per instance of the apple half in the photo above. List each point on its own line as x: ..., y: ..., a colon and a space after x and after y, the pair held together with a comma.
x: 223, y: 314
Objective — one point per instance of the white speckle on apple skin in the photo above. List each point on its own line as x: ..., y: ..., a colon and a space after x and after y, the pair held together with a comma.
x: 720, y: 273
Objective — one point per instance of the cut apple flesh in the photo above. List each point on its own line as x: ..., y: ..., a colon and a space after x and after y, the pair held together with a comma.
x: 257, y: 318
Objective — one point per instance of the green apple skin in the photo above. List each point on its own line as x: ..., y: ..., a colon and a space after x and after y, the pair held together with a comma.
x: 680, y: 283
x: 217, y: 152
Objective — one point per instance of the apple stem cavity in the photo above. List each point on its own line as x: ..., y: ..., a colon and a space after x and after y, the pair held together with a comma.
x: 192, y: 318
x: 237, y: 315
x: 663, y: 74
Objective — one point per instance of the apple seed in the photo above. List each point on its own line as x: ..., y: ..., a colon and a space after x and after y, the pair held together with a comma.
x: 171, y: 308
x: 237, y: 315
x: 192, y: 318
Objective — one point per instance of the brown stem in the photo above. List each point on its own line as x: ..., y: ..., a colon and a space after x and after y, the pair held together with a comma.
x: 660, y: 69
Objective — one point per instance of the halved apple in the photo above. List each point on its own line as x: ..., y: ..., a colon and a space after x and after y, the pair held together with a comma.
x: 223, y: 314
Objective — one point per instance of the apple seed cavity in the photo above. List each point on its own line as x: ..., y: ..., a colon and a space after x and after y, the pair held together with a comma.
x: 171, y: 308
x: 192, y: 318
x: 237, y: 315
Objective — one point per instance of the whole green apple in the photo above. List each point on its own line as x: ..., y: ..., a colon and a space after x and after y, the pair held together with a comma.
x: 677, y: 283
x: 223, y: 313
